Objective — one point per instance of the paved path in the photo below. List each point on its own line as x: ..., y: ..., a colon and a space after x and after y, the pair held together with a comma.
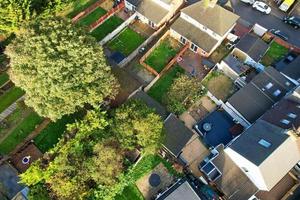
x: 10, y: 109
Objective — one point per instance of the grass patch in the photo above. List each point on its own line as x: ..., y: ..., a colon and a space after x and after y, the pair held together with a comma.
x: 274, y: 53
x: 162, y: 54
x: 10, y: 97
x: 107, y: 27
x: 51, y: 134
x: 126, y: 42
x: 130, y: 192
x: 163, y: 84
x: 76, y: 7
x: 20, y: 133
x: 92, y: 17
x: 219, y: 85
x: 3, y: 78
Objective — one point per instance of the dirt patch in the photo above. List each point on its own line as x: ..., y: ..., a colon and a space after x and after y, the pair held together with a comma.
x: 107, y: 5
x: 147, y: 190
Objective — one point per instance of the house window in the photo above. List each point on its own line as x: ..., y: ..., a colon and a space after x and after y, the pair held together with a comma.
x: 182, y: 40
x: 204, y: 28
x: 269, y: 85
x: 151, y: 24
x: 264, y: 143
x: 276, y: 93
x: 285, y: 121
x: 292, y: 115
x: 194, y: 47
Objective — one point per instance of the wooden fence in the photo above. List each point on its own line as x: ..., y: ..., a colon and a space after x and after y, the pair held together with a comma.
x: 87, y: 11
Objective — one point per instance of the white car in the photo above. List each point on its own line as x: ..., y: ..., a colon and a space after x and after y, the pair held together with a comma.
x: 262, y: 7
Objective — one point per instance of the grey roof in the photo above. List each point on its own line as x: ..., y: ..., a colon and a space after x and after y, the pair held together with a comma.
x: 236, y: 65
x: 256, y: 98
x: 177, y: 135
x: 194, y: 34
x: 212, y: 17
x: 152, y: 11
x: 233, y: 182
x: 254, y: 46
x: 150, y: 102
x: 134, y: 2
x: 248, y: 145
x: 293, y: 69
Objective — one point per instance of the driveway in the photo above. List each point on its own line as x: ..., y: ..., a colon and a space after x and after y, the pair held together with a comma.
x: 268, y: 21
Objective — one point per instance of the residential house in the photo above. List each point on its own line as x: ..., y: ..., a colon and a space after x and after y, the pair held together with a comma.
x: 258, y: 96
x: 204, y: 25
x: 154, y: 12
x: 289, y: 66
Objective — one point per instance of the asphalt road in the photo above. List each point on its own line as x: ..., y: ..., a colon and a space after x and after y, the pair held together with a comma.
x: 270, y: 21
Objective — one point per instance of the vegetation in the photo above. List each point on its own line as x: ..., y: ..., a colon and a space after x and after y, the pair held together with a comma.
x: 64, y: 70
x: 275, y: 53
x: 20, y: 133
x: 162, y: 54
x: 3, y: 78
x: 38, y: 192
x: 107, y: 27
x: 183, y: 93
x: 77, y: 6
x: 10, y: 97
x: 133, y: 122
x: 92, y: 17
x: 163, y: 84
x: 126, y: 42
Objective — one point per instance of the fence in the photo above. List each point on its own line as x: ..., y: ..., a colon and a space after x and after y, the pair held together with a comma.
x: 287, y: 45
x: 87, y: 11
x: 102, y: 19
x: 117, y: 30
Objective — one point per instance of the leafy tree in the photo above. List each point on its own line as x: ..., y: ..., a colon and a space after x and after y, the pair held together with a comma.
x: 135, y: 124
x: 59, y: 67
x: 38, y: 192
x: 183, y: 92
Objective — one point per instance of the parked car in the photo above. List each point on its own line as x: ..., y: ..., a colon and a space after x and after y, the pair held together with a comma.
x: 251, y: 2
x: 262, y: 7
x: 279, y: 34
x: 293, y: 21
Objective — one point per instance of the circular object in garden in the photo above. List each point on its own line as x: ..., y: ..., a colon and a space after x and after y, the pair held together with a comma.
x: 207, y: 127
x: 26, y: 160
x: 154, y: 180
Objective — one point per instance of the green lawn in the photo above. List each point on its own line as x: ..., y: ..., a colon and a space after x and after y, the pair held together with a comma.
x: 77, y: 7
x: 20, y: 133
x: 274, y: 53
x: 161, y: 55
x: 163, y: 84
x: 3, y: 78
x: 126, y: 42
x: 10, y: 97
x: 92, y: 17
x: 130, y: 192
x: 107, y: 27
x: 51, y: 134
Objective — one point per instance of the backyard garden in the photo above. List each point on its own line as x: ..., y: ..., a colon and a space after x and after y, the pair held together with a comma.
x: 274, y: 53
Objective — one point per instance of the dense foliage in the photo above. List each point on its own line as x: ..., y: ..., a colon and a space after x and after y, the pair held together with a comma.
x: 183, y: 92
x: 59, y: 67
x: 13, y: 13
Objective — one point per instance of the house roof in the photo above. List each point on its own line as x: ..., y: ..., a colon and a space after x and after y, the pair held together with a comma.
x: 194, y: 34
x: 257, y: 98
x: 150, y: 102
x: 248, y: 144
x: 180, y: 190
x: 293, y: 70
x: 134, y: 2
x: 236, y: 65
x: 177, y: 135
x: 252, y: 45
x: 233, y: 182
x: 152, y: 11
x: 211, y: 17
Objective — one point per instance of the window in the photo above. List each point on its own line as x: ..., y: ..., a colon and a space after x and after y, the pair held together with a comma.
x: 182, y: 40
x: 276, y: 93
x: 269, y: 85
x: 292, y: 115
x: 264, y: 143
x: 204, y: 28
x: 194, y: 47
x: 151, y: 24
x: 285, y: 121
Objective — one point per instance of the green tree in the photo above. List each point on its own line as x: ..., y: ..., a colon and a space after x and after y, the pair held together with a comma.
x: 59, y: 67
x: 135, y: 124
x: 38, y: 192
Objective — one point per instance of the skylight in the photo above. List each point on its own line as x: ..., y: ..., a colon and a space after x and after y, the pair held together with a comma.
x: 276, y: 93
x: 285, y: 121
x: 264, y: 143
x: 292, y: 115
x: 269, y: 85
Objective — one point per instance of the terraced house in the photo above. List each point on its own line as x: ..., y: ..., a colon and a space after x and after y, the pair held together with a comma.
x: 205, y: 25
x: 154, y: 12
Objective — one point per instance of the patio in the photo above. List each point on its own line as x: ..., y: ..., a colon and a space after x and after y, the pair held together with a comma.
x: 202, y: 108
x: 141, y: 28
x: 193, y: 64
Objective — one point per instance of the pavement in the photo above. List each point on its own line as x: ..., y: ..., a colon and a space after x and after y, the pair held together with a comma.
x: 273, y: 20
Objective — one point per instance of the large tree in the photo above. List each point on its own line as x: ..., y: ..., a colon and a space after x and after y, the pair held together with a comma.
x: 137, y: 125
x: 59, y: 67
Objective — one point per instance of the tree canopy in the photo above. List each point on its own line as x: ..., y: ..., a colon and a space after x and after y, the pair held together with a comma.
x: 59, y: 67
